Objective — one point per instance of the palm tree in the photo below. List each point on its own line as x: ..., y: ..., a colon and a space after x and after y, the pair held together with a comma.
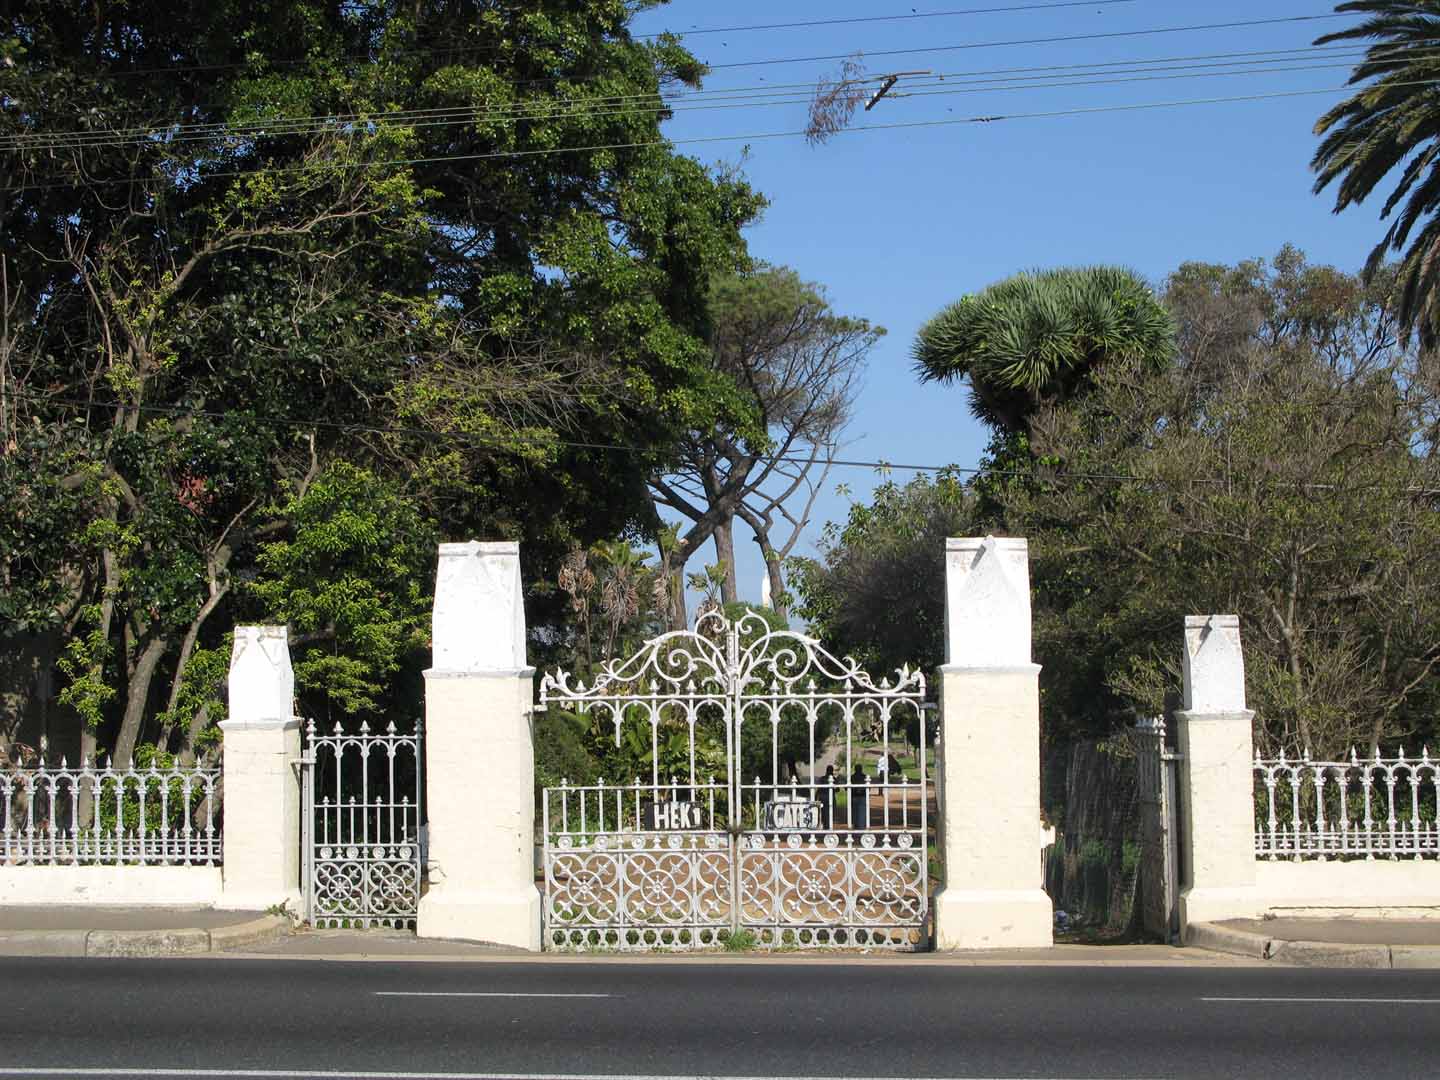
x: 1390, y: 121
x: 1035, y: 338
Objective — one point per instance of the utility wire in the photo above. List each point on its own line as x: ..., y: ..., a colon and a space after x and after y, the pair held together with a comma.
x: 893, y: 18
x: 697, y: 140
x: 495, y: 50
x: 1107, y: 35
x: 178, y: 128
x: 922, y: 89
x: 754, y: 97
x: 1237, y: 24
x: 1039, y: 473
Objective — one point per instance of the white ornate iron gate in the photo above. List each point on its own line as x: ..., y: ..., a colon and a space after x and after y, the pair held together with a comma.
x: 707, y: 846
x: 362, y: 836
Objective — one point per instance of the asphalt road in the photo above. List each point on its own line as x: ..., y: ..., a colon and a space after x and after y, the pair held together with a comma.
x: 228, y: 1017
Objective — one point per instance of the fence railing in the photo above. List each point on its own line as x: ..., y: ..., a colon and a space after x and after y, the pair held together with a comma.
x: 89, y: 816
x: 1365, y: 807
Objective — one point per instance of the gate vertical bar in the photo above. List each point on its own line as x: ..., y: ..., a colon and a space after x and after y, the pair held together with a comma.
x: 307, y: 820
x: 735, y: 722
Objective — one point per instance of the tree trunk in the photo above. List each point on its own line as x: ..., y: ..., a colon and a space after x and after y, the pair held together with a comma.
x: 26, y: 661
x: 777, y: 589
x: 193, y: 731
x: 136, y: 698
x: 674, y: 570
x: 773, y: 560
x: 86, y: 807
x: 187, y: 647
x: 725, y: 556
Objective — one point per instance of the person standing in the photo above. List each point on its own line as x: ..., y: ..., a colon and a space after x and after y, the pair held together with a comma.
x: 827, y: 799
x: 859, y: 798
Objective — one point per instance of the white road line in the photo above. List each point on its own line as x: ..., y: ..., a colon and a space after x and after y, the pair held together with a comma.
x: 349, y: 1074
x: 1329, y: 1000
x: 470, y: 994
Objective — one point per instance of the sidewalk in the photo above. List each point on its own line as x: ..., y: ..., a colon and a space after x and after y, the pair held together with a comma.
x: 1339, y: 943
x: 100, y: 931
x: 85, y: 930
x: 160, y: 931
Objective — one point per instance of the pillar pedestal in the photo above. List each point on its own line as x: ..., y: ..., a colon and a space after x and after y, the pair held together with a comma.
x: 261, y: 776
x: 992, y: 897
x: 479, y: 754
x: 1213, y: 735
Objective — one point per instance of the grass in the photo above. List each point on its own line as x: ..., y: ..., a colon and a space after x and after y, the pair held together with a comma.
x: 740, y: 941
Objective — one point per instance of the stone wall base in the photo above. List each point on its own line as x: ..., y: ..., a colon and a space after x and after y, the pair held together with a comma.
x: 1213, y: 905
x: 993, y: 919
x: 497, y: 918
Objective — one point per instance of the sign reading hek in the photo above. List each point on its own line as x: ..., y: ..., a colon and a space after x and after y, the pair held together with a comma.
x: 673, y: 815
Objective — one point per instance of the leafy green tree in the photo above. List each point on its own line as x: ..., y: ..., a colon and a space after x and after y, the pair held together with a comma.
x: 1037, y: 338
x: 353, y: 579
x: 246, y: 243
x: 1278, y: 470
x: 875, y: 592
x: 1390, y: 126
x: 1282, y: 467
x: 796, y: 364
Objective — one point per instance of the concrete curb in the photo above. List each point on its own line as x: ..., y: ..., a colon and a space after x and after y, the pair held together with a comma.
x: 1327, y: 954
x: 184, y: 941
x: 1224, y: 939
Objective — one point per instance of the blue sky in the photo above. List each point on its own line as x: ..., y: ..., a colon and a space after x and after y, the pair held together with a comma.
x: 898, y: 223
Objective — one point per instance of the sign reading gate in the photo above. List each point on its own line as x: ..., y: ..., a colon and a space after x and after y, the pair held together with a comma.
x: 673, y: 815
x: 792, y: 814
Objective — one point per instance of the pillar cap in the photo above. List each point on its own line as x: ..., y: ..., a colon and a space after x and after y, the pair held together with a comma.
x: 262, y: 682
x: 987, y: 602
x: 1214, y: 665
x: 479, y: 614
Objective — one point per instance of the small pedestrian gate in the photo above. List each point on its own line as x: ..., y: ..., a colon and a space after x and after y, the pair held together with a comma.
x: 361, y: 822
x: 727, y: 835
x: 1157, y: 768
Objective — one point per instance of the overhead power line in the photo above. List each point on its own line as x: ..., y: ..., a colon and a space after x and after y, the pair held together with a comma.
x: 1038, y: 473
x: 699, y: 140
x: 422, y: 119
x: 810, y: 23
x: 748, y: 97
x: 1058, y: 39
x: 494, y: 50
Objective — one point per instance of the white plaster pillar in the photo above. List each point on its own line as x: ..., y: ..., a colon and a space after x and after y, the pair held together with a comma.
x: 479, y: 755
x: 993, y: 895
x: 1217, y: 802
x: 262, y: 782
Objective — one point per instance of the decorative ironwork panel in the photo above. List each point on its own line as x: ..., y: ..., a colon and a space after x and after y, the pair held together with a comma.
x: 779, y: 849
x: 89, y: 816
x: 829, y: 890
x: 362, y: 809
x: 1362, y: 808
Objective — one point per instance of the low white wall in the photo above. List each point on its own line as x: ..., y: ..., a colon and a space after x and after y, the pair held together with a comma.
x: 1378, y: 888
x: 190, y: 886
